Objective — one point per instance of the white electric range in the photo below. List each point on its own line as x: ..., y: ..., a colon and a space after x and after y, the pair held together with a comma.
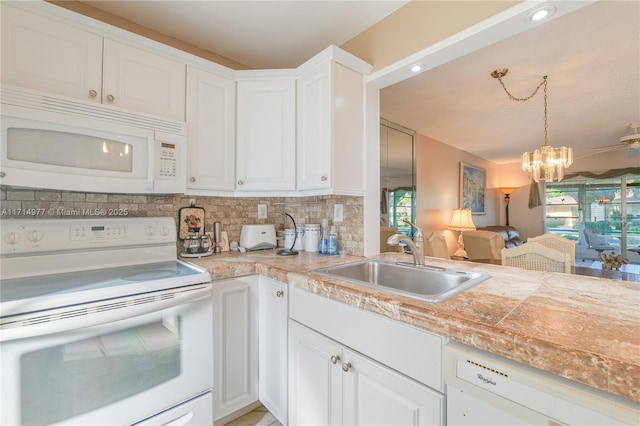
x: 100, y: 323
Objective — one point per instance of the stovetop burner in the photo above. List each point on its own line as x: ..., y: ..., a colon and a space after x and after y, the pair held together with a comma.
x: 150, y: 275
x: 28, y: 294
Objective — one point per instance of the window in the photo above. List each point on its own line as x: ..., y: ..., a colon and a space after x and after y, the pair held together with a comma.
x: 608, y: 208
x: 401, y: 209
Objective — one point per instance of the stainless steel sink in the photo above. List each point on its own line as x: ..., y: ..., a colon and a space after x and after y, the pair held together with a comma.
x: 428, y: 283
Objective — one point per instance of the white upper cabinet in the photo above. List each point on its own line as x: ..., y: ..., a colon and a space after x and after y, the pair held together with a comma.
x: 143, y: 81
x: 211, y: 119
x: 265, y: 133
x: 331, y: 123
x: 45, y: 54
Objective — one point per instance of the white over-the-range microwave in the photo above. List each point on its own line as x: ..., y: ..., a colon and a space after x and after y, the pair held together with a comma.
x: 55, y: 142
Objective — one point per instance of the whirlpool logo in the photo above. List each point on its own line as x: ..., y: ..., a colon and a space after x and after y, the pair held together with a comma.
x: 486, y: 380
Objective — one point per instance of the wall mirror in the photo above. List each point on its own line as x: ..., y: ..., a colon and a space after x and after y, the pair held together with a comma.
x: 397, y: 181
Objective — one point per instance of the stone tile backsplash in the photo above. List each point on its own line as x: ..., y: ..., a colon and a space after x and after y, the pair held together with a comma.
x: 231, y: 212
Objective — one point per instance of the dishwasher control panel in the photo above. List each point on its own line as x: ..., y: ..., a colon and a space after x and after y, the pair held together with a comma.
x: 484, y: 388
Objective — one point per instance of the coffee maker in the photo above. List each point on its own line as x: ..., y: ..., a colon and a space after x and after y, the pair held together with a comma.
x: 191, y: 230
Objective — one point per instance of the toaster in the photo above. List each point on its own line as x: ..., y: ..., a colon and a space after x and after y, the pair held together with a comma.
x: 258, y: 237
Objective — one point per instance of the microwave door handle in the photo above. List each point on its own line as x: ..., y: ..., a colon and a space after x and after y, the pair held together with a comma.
x: 105, y: 317
x: 151, y: 161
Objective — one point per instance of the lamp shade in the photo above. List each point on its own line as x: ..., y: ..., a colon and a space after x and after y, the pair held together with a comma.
x: 461, y: 220
x: 507, y: 190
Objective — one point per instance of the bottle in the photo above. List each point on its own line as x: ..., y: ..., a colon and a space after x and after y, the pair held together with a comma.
x: 333, y: 241
x: 323, y: 248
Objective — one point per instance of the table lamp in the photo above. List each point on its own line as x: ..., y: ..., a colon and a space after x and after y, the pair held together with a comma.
x: 461, y: 221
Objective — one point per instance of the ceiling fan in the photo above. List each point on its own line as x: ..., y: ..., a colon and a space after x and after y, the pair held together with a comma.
x: 630, y: 141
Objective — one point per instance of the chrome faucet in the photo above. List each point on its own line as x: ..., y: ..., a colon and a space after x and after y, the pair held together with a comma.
x: 416, y: 245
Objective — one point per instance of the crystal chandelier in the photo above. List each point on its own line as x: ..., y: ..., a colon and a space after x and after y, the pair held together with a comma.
x: 545, y: 163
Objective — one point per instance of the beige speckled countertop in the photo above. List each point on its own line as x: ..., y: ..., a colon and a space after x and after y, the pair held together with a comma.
x: 583, y: 328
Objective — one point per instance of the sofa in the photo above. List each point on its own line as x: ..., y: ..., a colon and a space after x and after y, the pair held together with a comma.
x: 510, y: 234
x: 487, y: 242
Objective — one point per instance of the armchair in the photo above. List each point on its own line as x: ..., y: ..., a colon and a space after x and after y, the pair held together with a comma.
x: 483, y: 244
x: 595, y: 241
x: 436, y: 246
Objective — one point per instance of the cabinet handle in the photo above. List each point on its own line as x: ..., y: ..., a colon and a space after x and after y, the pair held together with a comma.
x: 93, y: 93
x: 346, y: 366
x: 240, y: 182
x: 279, y: 293
x: 110, y: 98
x: 192, y: 179
x: 335, y: 359
x: 323, y: 178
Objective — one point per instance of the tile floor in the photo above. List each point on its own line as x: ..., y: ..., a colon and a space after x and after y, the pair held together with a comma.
x: 258, y: 417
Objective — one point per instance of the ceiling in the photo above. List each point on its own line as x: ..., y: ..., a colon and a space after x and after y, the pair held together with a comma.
x: 591, y: 57
x: 261, y: 34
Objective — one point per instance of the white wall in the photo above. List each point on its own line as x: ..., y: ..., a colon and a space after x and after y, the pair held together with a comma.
x: 438, y: 187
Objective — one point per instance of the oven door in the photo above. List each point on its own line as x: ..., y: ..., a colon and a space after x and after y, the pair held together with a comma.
x: 117, y: 372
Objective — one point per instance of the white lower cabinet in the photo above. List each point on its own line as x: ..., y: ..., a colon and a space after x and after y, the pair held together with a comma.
x: 315, y: 378
x: 274, y: 314
x: 352, y: 367
x: 330, y: 384
x: 235, y: 352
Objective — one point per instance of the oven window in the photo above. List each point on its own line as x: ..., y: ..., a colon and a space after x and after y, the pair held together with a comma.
x: 68, y: 150
x: 64, y: 381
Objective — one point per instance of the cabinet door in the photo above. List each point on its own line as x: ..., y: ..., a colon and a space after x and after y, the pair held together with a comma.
x: 143, y: 81
x: 266, y: 135
x: 348, y: 131
x: 315, y: 378
x: 211, y: 119
x: 375, y: 394
x: 331, y: 128
x: 273, y: 347
x: 42, y: 54
x: 235, y: 354
x: 314, y: 128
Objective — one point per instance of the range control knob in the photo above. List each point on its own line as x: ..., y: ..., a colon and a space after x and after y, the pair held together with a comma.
x: 12, y: 238
x: 164, y: 231
x: 150, y: 230
x: 34, y: 236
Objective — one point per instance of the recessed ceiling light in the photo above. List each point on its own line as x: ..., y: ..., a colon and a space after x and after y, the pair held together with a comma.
x: 416, y: 68
x: 541, y: 13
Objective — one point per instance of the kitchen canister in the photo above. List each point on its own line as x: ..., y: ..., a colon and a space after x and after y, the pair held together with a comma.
x: 311, y: 237
x: 288, y: 240
x: 299, y: 238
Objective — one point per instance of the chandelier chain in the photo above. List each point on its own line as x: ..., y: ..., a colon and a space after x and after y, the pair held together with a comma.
x: 545, y: 163
x: 545, y: 108
x: 514, y: 98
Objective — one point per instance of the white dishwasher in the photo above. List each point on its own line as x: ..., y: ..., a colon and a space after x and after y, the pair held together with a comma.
x: 486, y: 389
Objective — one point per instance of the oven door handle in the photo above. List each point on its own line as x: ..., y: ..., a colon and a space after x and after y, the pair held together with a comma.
x: 98, y: 313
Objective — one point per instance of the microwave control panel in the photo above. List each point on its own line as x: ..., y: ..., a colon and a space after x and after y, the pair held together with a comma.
x: 168, y: 160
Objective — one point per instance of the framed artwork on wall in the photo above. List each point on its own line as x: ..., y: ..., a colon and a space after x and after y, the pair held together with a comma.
x: 473, y: 186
